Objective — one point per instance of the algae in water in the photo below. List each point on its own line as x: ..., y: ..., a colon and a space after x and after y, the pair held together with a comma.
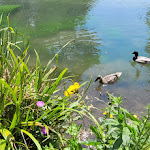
x: 8, y: 8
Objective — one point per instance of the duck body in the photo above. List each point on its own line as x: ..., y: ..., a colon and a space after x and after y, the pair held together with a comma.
x: 140, y: 59
x: 109, y: 79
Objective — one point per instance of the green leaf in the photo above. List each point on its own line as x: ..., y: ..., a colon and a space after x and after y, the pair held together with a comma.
x: 13, y: 55
x: 73, y: 129
x: 51, y: 71
x: 93, y: 143
x: 54, y: 85
x: 96, y: 132
x: 125, y: 135
x: 7, y: 136
x: 33, y: 139
x: 110, y: 122
x: 88, y: 85
x: 2, y: 144
x: 112, y: 130
x: 38, y: 71
x: 10, y: 89
x: 118, y: 142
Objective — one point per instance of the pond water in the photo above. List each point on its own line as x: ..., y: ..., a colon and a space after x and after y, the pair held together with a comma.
x: 106, y: 32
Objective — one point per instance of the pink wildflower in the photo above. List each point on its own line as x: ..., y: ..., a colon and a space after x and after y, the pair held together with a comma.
x: 40, y: 103
x: 43, y: 130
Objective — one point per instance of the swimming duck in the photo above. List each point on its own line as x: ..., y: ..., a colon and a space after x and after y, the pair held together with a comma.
x: 140, y: 59
x: 109, y: 79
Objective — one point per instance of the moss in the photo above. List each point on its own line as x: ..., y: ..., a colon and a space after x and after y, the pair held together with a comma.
x: 8, y: 8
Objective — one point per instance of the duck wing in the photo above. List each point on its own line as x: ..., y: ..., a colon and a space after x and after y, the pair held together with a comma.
x: 109, y: 79
x: 143, y: 59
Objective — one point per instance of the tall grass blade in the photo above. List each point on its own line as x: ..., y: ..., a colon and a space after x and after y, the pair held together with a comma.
x: 33, y: 139
x: 1, y: 19
x: 57, y: 55
x: 54, y: 85
x: 38, y: 72
x: 10, y: 89
x: 13, y: 55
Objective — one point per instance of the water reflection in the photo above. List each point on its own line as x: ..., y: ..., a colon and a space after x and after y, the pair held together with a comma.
x: 51, y: 24
x: 147, y: 48
x: 133, y: 64
x: 77, y: 56
x: 46, y: 17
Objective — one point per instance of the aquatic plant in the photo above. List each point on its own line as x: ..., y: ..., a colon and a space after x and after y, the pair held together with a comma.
x: 8, y: 8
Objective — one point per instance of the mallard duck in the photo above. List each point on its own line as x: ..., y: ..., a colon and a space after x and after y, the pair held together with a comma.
x: 140, y: 59
x: 109, y: 79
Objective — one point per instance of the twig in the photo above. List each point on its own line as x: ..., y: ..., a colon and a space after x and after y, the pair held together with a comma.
x: 24, y: 139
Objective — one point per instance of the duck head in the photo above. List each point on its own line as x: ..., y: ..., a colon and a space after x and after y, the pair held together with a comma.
x: 136, y: 55
x: 99, y: 78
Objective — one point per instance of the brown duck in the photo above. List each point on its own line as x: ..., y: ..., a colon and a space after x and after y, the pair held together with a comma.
x: 109, y: 79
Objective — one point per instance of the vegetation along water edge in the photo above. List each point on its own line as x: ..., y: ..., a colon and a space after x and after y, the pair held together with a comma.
x: 35, y: 113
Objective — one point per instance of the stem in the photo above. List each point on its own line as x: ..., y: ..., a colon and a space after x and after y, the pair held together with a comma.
x: 24, y: 139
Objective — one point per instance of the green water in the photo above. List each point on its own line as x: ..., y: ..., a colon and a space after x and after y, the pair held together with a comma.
x: 105, y: 34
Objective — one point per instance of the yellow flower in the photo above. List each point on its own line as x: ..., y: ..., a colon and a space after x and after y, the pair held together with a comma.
x: 76, y: 86
x: 105, y: 113
x: 111, y: 116
x: 69, y: 91
x: 135, y: 116
x: 72, y: 89
x: 66, y: 93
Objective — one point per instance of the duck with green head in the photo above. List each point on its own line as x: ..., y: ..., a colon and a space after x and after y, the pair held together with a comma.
x: 140, y: 59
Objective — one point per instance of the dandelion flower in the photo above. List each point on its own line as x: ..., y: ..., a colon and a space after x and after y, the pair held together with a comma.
x: 40, y: 103
x: 135, y: 116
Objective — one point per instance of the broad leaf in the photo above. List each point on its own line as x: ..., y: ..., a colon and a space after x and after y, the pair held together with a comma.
x: 125, y: 135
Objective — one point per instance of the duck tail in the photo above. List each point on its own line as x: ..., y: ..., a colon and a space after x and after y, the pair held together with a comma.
x: 118, y: 74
